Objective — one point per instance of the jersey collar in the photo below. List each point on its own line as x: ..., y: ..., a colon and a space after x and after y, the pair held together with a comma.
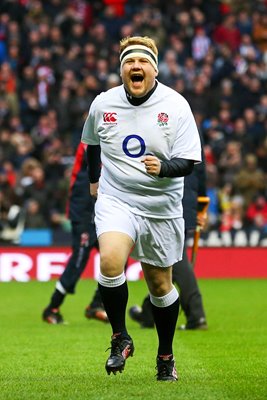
x: 137, y: 101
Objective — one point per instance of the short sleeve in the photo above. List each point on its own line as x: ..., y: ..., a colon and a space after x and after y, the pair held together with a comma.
x: 89, y: 132
x: 187, y: 142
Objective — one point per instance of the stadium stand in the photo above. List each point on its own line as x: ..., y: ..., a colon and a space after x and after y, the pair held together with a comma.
x: 55, y: 57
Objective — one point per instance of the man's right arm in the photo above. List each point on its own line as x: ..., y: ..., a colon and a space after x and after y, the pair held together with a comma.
x: 94, y: 167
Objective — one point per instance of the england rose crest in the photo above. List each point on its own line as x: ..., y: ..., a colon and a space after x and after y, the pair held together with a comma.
x: 163, y: 119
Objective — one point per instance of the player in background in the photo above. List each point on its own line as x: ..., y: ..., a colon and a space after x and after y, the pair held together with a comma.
x: 145, y: 135
x: 183, y: 274
x: 80, y: 211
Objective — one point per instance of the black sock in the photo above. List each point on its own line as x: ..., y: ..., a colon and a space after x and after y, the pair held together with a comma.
x: 165, y: 320
x: 56, y: 299
x: 115, y: 301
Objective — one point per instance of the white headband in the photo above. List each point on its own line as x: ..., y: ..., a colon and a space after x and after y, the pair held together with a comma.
x: 138, y: 50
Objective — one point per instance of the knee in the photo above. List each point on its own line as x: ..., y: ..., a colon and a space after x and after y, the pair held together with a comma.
x: 160, y: 288
x: 110, y: 265
x: 159, y: 280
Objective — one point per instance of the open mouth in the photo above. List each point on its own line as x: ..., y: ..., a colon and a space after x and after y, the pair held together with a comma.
x: 137, y: 78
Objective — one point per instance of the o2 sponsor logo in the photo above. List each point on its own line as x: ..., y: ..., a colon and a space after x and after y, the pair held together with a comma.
x: 126, y: 145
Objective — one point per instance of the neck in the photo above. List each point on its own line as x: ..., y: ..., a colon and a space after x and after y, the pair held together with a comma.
x: 137, y: 101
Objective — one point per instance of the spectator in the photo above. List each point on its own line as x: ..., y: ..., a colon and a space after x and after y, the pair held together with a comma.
x: 223, y: 64
x: 250, y: 180
x: 240, y: 135
x: 247, y: 48
x: 40, y: 190
x: 230, y: 161
x: 169, y: 69
x: 62, y: 107
x: 228, y: 33
x: 255, y: 128
x: 244, y: 22
x: 225, y: 97
x: 34, y: 219
x: 262, y: 156
x: 45, y: 79
x: 54, y: 169
x: 196, y: 95
x: 225, y: 195
x: 102, y: 72
x: 24, y: 148
x: 261, y: 108
x: 200, y: 44
x: 232, y: 217
x: 259, y: 34
x: 8, y: 84
x: 257, y: 212
x: 7, y: 149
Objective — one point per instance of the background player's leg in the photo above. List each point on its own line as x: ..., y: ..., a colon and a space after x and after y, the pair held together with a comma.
x: 81, y: 248
x: 190, y: 296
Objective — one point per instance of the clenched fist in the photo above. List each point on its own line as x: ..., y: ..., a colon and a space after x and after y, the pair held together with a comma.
x: 152, y: 165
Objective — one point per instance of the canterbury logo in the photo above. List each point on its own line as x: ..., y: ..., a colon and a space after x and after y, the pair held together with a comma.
x: 110, y: 117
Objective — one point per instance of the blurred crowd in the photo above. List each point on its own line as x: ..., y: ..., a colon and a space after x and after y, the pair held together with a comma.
x: 57, y: 55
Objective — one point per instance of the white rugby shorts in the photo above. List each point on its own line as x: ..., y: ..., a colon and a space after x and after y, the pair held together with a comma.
x: 158, y: 242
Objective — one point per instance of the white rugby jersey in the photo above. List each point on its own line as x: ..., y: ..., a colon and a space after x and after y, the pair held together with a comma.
x: 163, y: 126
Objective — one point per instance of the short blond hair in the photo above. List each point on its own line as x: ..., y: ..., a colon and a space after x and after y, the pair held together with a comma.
x: 141, y: 40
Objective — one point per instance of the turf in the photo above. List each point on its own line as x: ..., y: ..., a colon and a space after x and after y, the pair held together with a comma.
x: 41, y: 361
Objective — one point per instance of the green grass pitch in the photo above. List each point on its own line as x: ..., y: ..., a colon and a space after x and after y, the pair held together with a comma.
x: 40, y: 361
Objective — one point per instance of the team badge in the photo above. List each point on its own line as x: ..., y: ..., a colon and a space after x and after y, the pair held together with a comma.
x: 163, y: 119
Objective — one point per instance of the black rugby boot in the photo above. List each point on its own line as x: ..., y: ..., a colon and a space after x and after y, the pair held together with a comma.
x: 166, y: 369
x: 122, y: 347
x: 52, y: 316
